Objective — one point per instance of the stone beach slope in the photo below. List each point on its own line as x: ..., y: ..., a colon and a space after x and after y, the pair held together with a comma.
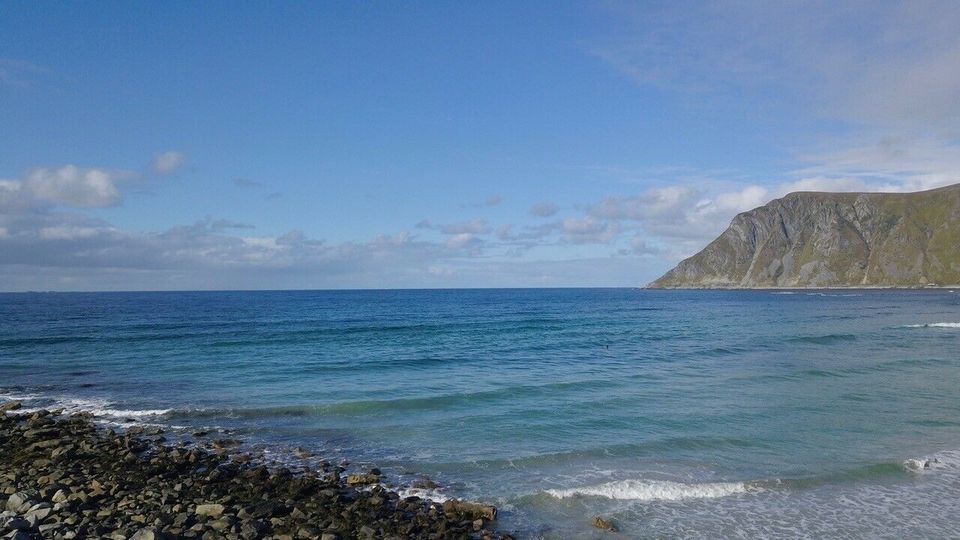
x: 812, y: 239
x: 65, y: 477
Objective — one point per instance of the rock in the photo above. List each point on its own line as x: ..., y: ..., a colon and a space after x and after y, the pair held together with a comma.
x: 810, y: 239
x: 308, y: 531
x: 221, y: 524
x: 225, y: 443
x: 603, y: 524
x: 181, y: 491
x: 40, y: 513
x: 211, y: 510
x: 262, y: 510
x: 469, y: 510
x: 18, y: 524
x: 362, y: 479
x: 424, y: 483
x: 59, y: 497
x: 147, y: 534
x: 253, y: 529
x: 20, y: 502
x: 10, y: 406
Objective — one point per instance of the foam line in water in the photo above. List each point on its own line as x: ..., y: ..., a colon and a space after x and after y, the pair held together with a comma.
x: 653, y: 490
x: 934, y: 325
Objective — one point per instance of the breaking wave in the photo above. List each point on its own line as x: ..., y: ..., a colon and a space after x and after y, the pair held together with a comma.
x: 654, y: 490
x: 934, y: 325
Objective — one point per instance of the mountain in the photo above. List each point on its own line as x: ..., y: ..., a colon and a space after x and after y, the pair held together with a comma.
x: 812, y: 239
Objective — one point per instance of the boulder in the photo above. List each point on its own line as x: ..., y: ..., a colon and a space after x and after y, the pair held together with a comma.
x: 147, y: 534
x: 20, y: 502
x: 211, y: 510
x: 603, y: 524
x: 362, y: 479
x: 10, y: 406
x: 469, y: 510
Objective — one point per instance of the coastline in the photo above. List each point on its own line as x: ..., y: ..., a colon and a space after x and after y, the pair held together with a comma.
x: 786, y: 288
x: 63, y: 476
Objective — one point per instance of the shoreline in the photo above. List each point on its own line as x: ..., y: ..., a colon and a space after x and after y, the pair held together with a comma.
x: 64, y: 476
x: 826, y: 288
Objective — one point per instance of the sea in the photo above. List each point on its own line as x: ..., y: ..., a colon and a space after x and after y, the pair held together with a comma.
x: 672, y: 414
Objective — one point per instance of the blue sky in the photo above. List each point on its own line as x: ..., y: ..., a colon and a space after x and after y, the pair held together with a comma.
x: 273, y: 145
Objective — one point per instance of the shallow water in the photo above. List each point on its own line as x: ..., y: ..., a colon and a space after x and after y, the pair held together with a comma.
x: 675, y: 413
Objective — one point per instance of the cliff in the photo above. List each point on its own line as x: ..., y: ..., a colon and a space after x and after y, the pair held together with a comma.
x: 810, y: 239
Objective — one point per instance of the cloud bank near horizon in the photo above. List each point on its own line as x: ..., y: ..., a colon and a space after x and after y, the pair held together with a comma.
x: 47, y: 241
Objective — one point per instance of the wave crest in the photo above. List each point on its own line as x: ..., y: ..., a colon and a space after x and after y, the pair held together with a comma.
x: 934, y: 325
x: 653, y: 490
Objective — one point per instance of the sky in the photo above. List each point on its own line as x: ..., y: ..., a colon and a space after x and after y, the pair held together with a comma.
x: 288, y: 145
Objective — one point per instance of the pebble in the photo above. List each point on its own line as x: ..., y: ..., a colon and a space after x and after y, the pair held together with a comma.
x: 63, y: 477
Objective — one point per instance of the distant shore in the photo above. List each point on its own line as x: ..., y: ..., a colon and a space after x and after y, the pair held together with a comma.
x: 834, y: 288
x: 65, y: 477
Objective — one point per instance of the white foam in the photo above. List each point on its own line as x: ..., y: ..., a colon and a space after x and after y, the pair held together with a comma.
x: 126, y: 413
x: 96, y: 407
x: 434, y: 495
x: 653, y: 490
x: 934, y: 325
x: 941, y: 461
x: 919, y: 465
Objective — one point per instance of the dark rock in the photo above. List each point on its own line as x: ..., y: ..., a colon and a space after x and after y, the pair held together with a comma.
x: 362, y: 479
x: 18, y: 524
x: 602, y: 523
x: 10, y: 406
x: 424, y: 483
x: 470, y: 510
x: 105, y: 485
x: 147, y: 534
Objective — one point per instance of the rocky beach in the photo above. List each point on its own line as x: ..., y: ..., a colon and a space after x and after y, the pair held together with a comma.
x: 65, y: 476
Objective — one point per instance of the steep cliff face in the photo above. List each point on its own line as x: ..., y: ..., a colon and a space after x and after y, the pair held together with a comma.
x: 811, y: 239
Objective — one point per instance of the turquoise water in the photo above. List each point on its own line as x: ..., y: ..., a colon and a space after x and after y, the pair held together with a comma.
x: 678, y: 414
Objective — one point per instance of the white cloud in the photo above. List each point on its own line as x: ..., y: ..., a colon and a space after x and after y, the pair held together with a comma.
x: 68, y: 185
x: 73, y: 186
x: 589, y: 230
x: 543, y: 209
x: 168, y: 162
x: 461, y: 240
x: 652, y: 203
x: 877, y: 83
x: 474, y: 226
x: 492, y: 200
x: 67, y: 232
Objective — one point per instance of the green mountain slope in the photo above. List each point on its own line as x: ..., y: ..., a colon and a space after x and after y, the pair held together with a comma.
x: 810, y: 239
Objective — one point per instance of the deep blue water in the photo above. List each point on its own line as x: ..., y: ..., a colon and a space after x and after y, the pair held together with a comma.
x: 676, y: 413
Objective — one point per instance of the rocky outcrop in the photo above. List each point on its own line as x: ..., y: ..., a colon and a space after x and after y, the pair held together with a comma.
x: 62, y: 477
x: 809, y: 239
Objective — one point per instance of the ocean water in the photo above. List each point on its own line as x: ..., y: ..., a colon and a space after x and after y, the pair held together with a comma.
x: 677, y: 414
